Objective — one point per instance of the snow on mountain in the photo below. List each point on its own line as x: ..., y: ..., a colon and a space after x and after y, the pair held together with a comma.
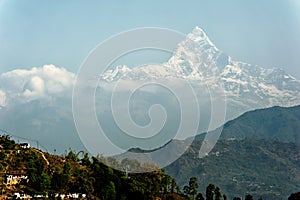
x: 199, y: 61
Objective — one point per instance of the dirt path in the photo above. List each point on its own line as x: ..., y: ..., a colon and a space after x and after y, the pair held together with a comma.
x: 43, y: 156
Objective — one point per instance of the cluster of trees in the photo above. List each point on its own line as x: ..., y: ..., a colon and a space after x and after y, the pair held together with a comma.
x: 212, y: 192
x: 93, y: 177
x: 97, y: 180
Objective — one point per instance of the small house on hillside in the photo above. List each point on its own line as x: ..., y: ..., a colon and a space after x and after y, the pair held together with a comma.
x: 25, y: 145
x: 15, y: 178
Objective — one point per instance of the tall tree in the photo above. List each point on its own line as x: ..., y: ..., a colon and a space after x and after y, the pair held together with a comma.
x: 166, y: 183
x: 199, y: 197
x: 109, y: 191
x: 58, y: 181
x: 72, y: 156
x: 193, y: 186
x: 210, y: 192
x: 218, y: 195
x: 86, y: 160
x: 174, y: 186
x: 294, y: 196
x: 237, y: 198
x: 248, y: 197
x: 186, y: 190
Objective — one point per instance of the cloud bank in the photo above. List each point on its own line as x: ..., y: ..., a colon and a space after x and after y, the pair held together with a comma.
x: 37, y: 83
x: 36, y: 104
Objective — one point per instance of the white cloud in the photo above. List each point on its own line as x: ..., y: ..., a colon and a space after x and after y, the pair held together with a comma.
x: 2, y: 98
x: 34, y: 88
x: 36, y: 104
x: 44, y: 82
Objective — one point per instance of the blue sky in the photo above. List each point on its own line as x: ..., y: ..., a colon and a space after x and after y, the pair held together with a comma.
x: 34, y: 32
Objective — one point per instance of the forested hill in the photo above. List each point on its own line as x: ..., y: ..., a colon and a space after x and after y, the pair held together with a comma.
x: 44, y: 174
x: 259, y: 167
x: 257, y: 153
x: 275, y: 123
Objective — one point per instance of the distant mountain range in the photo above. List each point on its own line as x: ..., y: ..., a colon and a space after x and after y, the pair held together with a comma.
x: 257, y: 153
x: 198, y: 60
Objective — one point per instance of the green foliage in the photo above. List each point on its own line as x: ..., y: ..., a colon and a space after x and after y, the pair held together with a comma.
x: 72, y: 156
x: 7, y: 143
x: 248, y: 197
x: 218, y: 194
x: 109, y: 191
x: 279, y: 124
x: 86, y: 160
x: 38, y: 180
x: 210, y: 192
x: 58, y: 182
x: 242, y: 167
x: 191, y: 189
x: 294, y: 196
x: 199, y: 197
x: 193, y: 185
x: 44, y: 182
x: 2, y: 155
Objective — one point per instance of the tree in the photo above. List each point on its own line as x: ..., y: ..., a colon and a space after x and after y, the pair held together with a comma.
x: 218, y: 194
x: 86, y: 160
x: 166, y: 183
x: 82, y: 182
x: 199, y: 197
x: 67, y: 171
x: 109, y: 191
x: 193, y: 186
x: 44, y: 182
x: 248, y: 197
x: 72, y: 156
x: 210, y: 192
x: 224, y: 197
x: 38, y: 179
x: 186, y: 190
x: 294, y: 196
x: 174, y: 186
x: 57, y: 182
x: 237, y: 198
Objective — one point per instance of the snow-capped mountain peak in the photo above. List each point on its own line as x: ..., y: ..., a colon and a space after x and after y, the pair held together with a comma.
x: 198, y: 60
x: 116, y: 73
x: 199, y: 36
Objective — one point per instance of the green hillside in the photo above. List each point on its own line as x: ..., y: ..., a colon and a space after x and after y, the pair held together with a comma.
x: 51, y: 174
x: 257, y: 153
x: 276, y: 123
x: 259, y: 167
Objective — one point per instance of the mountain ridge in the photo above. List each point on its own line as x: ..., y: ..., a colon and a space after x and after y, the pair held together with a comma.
x: 249, y: 126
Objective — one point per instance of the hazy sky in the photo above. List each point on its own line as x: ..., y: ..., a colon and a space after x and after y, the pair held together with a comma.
x: 34, y: 32
x: 36, y: 102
